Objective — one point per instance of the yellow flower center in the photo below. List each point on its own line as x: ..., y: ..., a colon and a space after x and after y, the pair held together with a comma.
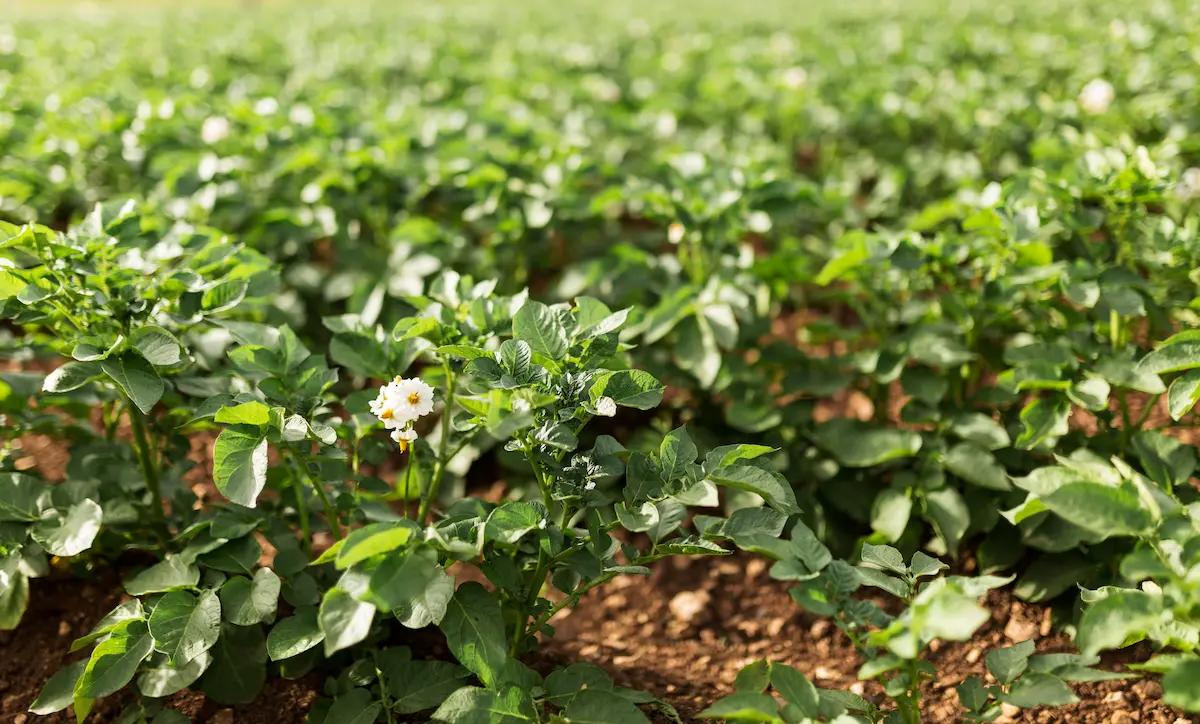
x: 414, y: 399
x: 403, y: 445
x: 398, y: 379
x: 386, y: 414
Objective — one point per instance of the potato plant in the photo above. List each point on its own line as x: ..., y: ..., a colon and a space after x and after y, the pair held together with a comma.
x: 860, y: 291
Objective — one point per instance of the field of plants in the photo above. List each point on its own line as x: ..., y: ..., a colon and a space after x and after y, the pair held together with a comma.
x: 600, y: 363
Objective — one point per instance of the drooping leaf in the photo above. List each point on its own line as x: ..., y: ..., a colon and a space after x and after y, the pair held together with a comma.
x: 474, y: 629
x: 629, y: 388
x: 414, y: 587
x: 240, y: 465
x: 136, y: 378
x: 239, y: 666
x: 165, y: 679
x: 71, y: 534
x: 344, y: 620
x: 246, y: 602
x: 858, y: 444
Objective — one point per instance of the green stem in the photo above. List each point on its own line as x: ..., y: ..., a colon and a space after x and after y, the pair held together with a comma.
x: 913, y: 705
x: 301, y: 504
x: 1114, y: 329
x: 383, y: 693
x: 570, y: 600
x: 439, y: 469
x: 149, y: 472
x: 1149, y: 408
x: 330, y: 512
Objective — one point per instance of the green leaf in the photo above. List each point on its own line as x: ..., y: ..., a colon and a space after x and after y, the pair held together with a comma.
x: 637, y: 521
x: 890, y: 513
x: 852, y: 252
x: 344, y: 620
x: 295, y: 634
x: 1177, y: 357
x: 754, y: 677
x: 14, y: 599
x: 362, y: 355
x: 980, y: 429
x: 236, y: 556
x: 419, y: 685
x: 1124, y: 373
x: 354, y: 707
x: 136, y: 378
x: 795, y: 688
x: 165, y: 679
x: 772, y: 487
x: 977, y: 466
x: 744, y: 707
x: 726, y: 455
x: 72, y: 534
x: 1091, y: 393
x: 857, y: 444
x: 185, y: 626
x: 247, y: 413
x: 59, y: 691
x: 972, y: 694
x: 1183, y: 394
x: 1166, y: 460
x: 157, y: 345
x: 924, y: 565
x: 950, y: 515
x: 239, y: 666
x: 225, y: 295
x: 539, y: 327
x: 131, y: 609
x: 1008, y: 663
x: 370, y: 541
x: 886, y: 557
x: 1101, y: 509
x: 1042, y: 419
x: 172, y: 572
x: 1038, y: 689
x: 413, y: 587
x: 676, y: 453
x: 115, y: 660
x: 71, y: 376
x: 629, y: 388
x: 1181, y: 686
x: 690, y: 546
x: 510, y: 522
x: 1119, y: 618
x: 240, y: 465
x: 474, y: 628
x: 470, y: 705
x: 247, y: 602
x: 21, y: 497
x: 603, y: 707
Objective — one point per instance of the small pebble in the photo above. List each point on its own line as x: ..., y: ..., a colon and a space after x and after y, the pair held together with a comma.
x: 973, y: 656
x: 688, y: 605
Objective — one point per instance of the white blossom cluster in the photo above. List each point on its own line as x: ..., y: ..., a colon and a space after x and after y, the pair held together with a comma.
x: 400, y: 403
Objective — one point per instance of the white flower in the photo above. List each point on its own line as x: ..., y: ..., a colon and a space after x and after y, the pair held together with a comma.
x: 1188, y: 187
x: 404, y: 437
x: 301, y: 115
x: 402, y: 401
x: 795, y: 78
x: 215, y: 129
x: 542, y: 524
x: 415, y: 397
x: 266, y: 106
x: 1096, y: 96
x: 589, y: 485
x: 675, y: 232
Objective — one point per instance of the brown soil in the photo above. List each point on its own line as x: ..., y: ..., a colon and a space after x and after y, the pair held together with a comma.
x: 682, y: 634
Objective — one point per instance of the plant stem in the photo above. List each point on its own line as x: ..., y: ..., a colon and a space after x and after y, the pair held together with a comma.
x: 301, y: 505
x: 1114, y: 329
x: 1149, y: 408
x: 439, y: 469
x: 149, y: 472
x: 330, y: 512
x: 383, y: 693
x: 913, y: 705
x: 1126, y: 418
